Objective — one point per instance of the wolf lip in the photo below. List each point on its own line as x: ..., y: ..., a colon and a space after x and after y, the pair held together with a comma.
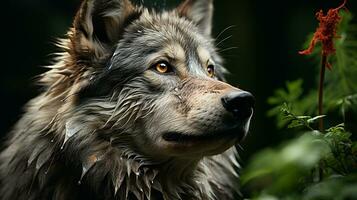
x: 186, y: 137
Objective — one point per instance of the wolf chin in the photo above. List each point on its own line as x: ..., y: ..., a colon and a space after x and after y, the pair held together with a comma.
x: 134, y: 107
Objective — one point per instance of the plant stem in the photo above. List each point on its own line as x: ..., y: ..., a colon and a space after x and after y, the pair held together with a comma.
x: 321, y: 89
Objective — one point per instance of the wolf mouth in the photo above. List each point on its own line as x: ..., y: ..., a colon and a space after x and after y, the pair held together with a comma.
x: 181, y: 137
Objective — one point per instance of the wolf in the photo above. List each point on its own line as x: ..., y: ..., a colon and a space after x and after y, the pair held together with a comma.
x: 135, y: 106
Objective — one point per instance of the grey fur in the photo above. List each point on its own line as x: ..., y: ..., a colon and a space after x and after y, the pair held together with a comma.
x: 96, y: 132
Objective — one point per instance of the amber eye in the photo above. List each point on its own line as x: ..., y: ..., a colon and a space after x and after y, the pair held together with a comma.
x: 162, y: 67
x: 210, y: 71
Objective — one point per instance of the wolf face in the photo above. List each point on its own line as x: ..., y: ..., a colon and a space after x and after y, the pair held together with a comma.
x: 134, y: 91
x: 164, y: 78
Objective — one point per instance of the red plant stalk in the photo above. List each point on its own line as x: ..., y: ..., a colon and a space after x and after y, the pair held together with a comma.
x: 325, y: 33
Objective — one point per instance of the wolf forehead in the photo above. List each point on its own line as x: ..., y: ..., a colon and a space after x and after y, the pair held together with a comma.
x: 164, y: 36
x: 126, y: 40
x: 131, y: 37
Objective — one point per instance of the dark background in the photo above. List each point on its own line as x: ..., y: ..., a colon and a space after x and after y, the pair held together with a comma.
x: 267, y: 34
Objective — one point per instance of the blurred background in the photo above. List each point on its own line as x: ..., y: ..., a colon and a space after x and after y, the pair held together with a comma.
x: 260, y: 49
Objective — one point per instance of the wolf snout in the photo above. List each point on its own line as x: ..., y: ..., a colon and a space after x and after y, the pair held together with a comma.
x: 239, y: 103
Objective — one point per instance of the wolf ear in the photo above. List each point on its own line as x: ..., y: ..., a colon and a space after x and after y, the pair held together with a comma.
x: 198, y: 11
x: 99, y: 24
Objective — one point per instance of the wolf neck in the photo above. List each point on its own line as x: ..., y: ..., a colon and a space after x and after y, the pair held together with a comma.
x: 169, y: 180
x: 209, y: 178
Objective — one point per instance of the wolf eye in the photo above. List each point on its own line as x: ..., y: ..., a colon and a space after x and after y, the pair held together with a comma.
x: 210, y: 71
x: 162, y: 67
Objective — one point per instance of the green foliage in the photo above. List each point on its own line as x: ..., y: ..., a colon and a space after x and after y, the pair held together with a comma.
x: 315, y: 165
x: 338, y: 188
x: 341, y: 80
x: 291, y: 94
x: 292, y: 171
x: 295, y: 121
x: 343, y: 156
x: 274, y: 169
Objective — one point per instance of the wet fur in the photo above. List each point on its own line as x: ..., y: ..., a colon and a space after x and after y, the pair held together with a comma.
x: 76, y: 139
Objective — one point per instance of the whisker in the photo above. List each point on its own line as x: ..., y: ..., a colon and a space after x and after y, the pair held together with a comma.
x: 224, y: 30
x: 220, y: 42
x: 227, y: 49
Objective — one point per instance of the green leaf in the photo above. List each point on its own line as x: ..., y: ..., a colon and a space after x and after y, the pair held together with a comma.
x: 315, y: 119
x: 280, y: 171
x: 338, y: 188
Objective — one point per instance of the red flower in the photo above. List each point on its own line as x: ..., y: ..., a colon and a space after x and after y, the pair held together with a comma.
x: 326, y: 32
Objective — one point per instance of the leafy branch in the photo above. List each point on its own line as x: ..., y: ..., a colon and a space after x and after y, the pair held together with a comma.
x: 289, y: 171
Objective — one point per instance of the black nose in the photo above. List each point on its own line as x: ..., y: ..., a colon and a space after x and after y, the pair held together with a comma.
x: 239, y: 103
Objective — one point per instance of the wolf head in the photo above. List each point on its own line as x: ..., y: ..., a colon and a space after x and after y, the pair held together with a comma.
x: 151, y: 82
